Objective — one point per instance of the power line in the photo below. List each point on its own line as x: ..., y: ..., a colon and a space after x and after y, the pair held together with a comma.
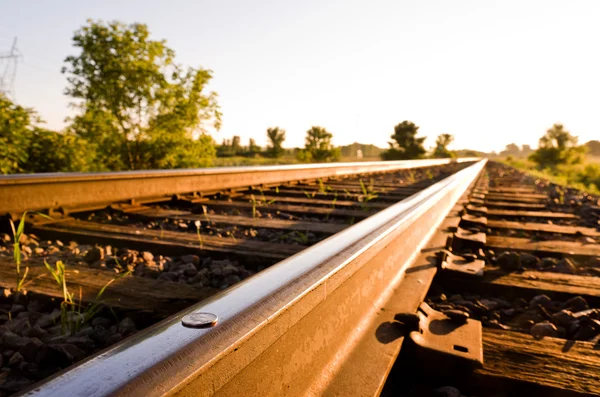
x: 40, y: 68
x: 8, y: 70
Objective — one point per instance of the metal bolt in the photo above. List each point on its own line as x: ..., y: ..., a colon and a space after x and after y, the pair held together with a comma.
x: 456, y: 316
x: 199, y: 320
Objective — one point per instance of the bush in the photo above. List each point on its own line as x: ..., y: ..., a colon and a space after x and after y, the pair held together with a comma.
x: 15, y: 134
x: 24, y: 147
x: 49, y: 151
x: 586, y: 178
x: 590, y: 175
x: 558, y: 147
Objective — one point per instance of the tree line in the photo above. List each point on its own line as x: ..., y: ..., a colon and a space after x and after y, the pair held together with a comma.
x: 318, y: 146
x: 136, y: 108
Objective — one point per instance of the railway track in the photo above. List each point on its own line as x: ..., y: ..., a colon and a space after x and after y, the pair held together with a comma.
x: 523, y: 262
x: 310, y: 278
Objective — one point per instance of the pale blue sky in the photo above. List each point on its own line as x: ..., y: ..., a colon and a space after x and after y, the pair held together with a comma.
x: 489, y: 72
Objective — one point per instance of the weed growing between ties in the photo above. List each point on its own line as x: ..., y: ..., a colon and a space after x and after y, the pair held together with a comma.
x: 410, y: 177
x: 71, y: 315
x: 264, y: 199
x: 198, y: 224
x: 297, y: 236
x: 310, y: 195
x: 256, y: 203
x: 368, y: 194
x: 17, y: 234
x: 322, y: 187
x: 253, y: 201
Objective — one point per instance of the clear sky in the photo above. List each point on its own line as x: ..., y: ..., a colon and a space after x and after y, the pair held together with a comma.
x: 488, y: 72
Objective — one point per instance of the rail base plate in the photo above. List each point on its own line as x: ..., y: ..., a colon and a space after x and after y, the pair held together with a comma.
x: 455, y: 263
x: 440, y: 336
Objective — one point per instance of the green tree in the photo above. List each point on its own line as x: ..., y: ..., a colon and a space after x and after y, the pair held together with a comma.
x: 318, y: 146
x: 138, y: 106
x: 16, y: 125
x: 441, y: 146
x: 558, y: 147
x: 253, y: 148
x: 224, y: 149
x: 236, y: 145
x: 405, y: 144
x: 276, y: 137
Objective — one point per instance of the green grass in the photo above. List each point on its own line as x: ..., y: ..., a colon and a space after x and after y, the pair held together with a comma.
x: 585, y: 177
x: 368, y: 194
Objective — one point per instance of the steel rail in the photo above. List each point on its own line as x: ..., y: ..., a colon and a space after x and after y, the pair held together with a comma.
x: 288, y: 329
x: 35, y: 192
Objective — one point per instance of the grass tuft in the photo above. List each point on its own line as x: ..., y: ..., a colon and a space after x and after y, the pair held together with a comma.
x: 17, y: 235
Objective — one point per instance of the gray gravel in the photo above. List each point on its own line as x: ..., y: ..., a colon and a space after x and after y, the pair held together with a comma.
x: 34, y: 344
x: 541, y: 316
x: 190, y: 269
x: 514, y: 261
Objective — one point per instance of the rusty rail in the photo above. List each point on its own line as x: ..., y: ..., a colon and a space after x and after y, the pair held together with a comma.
x: 34, y: 192
x: 290, y: 329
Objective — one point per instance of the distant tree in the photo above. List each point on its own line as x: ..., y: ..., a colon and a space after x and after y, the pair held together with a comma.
x: 512, y: 148
x: 140, y: 108
x: 405, y: 145
x: 441, y: 146
x: 469, y: 153
x: 236, y: 145
x: 224, y: 149
x: 276, y: 137
x: 526, y: 150
x: 253, y: 148
x: 318, y: 146
x: 558, y: 147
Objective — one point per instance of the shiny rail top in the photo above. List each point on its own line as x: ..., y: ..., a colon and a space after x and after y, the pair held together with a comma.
x: 167, y: 356
x: 35, y: 192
